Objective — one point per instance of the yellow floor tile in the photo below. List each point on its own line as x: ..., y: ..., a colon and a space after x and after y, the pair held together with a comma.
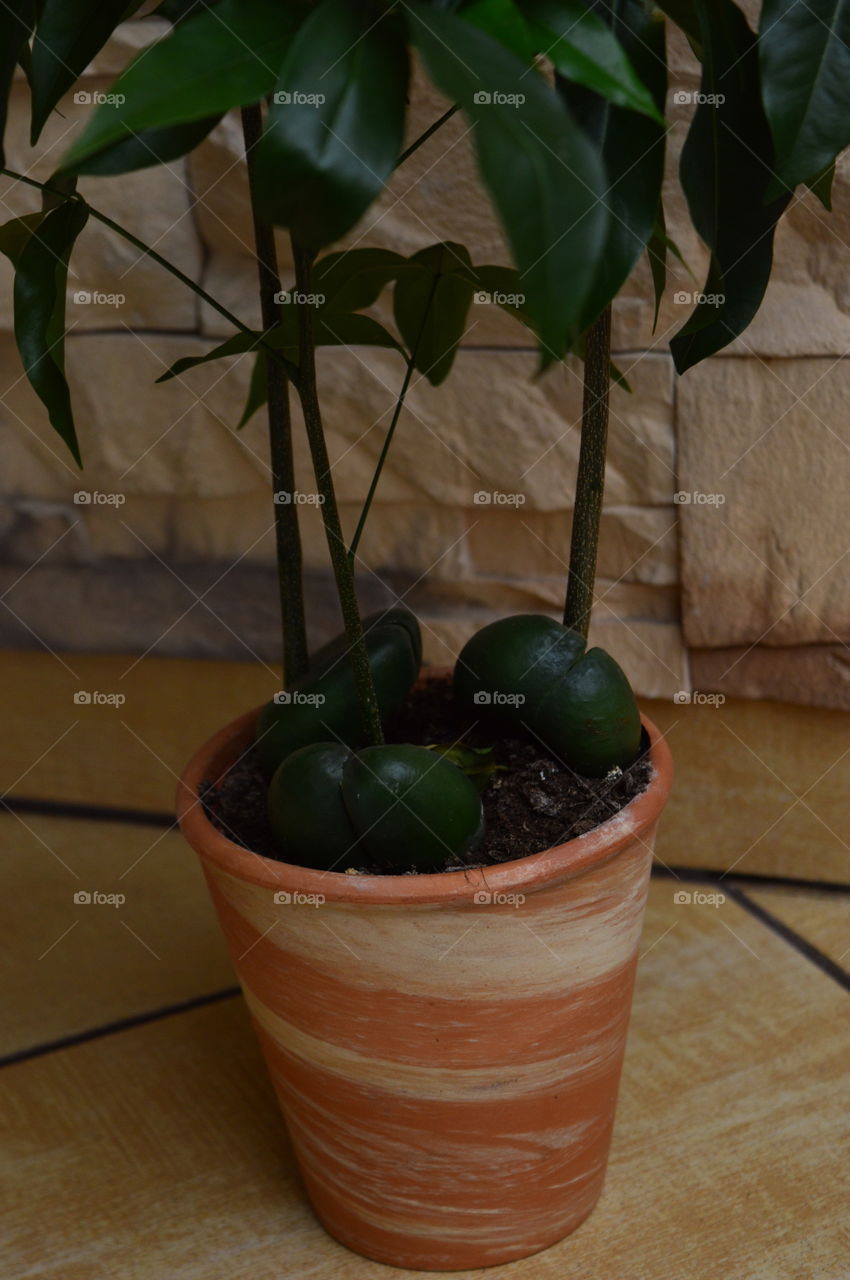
x: 822, y: 918
x: 68, y: 966
x: 760, y: 787
x: 159, y: 1153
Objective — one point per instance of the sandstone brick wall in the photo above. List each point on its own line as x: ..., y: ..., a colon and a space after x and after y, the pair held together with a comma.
x: 744, y: 592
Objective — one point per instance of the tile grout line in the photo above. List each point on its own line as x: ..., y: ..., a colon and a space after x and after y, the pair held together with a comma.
x: 121, y: 1024
x: 795, y: 940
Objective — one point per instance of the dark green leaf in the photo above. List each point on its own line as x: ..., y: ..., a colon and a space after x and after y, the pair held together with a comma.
x: 258, y: 390
x: 221, y: 58
x: 149, y: 147
x: 431, y: 304
x: 503, y: 286
x: 329, y: 330
x: 632, y: 149
x: 503, y: 20
x: 582, y: 48
x: 353, y: 278
x: 804, y: 51
x: 39, y: 293
x: 726, y: 166
x: 68, y: 35
x: 656, y: 251
x: 17, y: 18
x: 544, y: 176
x: 821, y: 186
x: 684, y: 14
x: 336, y: 125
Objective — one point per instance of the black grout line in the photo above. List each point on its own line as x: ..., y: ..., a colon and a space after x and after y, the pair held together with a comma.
x: 122, y: 1024
x: 807, y: 949
x: 88, y: 812
x: 668, y: 872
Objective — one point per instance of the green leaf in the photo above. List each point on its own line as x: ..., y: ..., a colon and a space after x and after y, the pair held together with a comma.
x: 352, y: 279
x: 821, y: 185
x: 149, y: 147
x: 68, y: 35
x: 503, y: 20
x: 582, y: 48
x: 336, y: 125
x: 684, y: 14
x: 39, y: 294
x: 330, y: 329
x: 17, y: 18
x: 431, y: 303
x: 258, y: 390
x: 804, y: 52
x: 544, y: 176
x: 726, y: 166
x: 218, y: 59
x: 632, y: 150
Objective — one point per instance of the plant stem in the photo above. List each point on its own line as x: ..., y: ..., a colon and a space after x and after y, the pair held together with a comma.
x: 367, y: 701
x: 287, y: 534
x: 590, y: 480
x: 291, y: 370
x: 423, y: 137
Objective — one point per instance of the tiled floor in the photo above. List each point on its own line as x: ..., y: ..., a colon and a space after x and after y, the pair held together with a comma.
x: 142, y: 1138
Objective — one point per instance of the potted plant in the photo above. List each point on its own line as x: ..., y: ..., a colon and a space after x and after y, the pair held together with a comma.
x: 441, y: 992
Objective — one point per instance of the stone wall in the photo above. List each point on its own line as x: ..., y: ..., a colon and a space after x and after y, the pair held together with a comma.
x: 745, y: 592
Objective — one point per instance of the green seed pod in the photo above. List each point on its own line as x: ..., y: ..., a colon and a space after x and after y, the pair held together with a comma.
x: 306, y: 809
x: 589, y: 718
x: 509, y: 665
x: 411, y: 806
x: 323, y: 705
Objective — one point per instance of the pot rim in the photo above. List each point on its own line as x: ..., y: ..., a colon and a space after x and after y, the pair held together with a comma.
x: 211, y: 761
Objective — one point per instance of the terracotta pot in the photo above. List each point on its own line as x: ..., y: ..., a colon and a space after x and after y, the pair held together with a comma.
x: 446, y: 1048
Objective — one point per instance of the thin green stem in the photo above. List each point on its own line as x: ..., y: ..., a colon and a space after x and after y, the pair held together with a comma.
x: 367, y: 701
x: 423, y: 137
x: 399, y: 405
x: 590, y: 480
x: 287, y: 533
x: 291, y: 370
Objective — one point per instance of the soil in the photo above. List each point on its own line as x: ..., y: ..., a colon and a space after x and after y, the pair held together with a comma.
x: 531, y: 801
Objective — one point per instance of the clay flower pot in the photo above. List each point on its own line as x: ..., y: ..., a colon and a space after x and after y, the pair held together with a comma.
x: 446, y: 1048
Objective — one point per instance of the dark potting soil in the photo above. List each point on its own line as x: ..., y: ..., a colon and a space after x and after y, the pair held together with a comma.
x: 531, y: 801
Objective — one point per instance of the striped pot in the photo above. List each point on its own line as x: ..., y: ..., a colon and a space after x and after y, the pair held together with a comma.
x: 446, y: 1048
